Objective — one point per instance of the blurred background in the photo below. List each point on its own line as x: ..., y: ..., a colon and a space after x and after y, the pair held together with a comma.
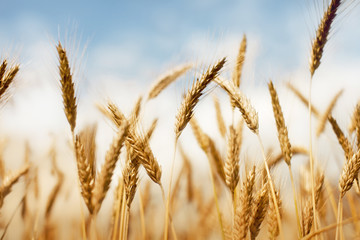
x: 119, y: 48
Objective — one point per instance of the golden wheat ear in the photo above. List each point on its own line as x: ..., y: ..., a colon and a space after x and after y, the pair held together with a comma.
x: 168, y: 78
x: 322, y: 34
x: 67, y: 87
x: 327, y: 112
x: 193, y: 95
x: 9, y: 180
x: 232, y: 161
x: 104, y: 178
x: 280, y: 125
x: 242, y: 103
x: 7, y: 76
x: 243, y: 210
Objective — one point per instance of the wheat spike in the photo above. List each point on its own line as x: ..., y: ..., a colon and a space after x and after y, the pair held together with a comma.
x: 323, y: 118
x: 136, y: 110
x: 151, y: 129
x: 273, y: 227
x: 343, y: 141
x: 237, y: 72
x: 280, y: 125
x: 219, y: 117
x: 239, y: 62
x: 141, y: 147
x: 131, y: 179
x: 243, y: 211
x: 9, y: 180
x: 307, y: 213
x: 349, y: 173
x: 302, y: 98
x: 165, y: 80
x: 193, y: 95
x: 259, y: 209
x: 55, y: 191
x: 3, y: 69
x: 7, y: 77
x: 353, y: 124
x: 103, y: 180
x: 357, y: 124
x: 88, y: 137
x: 86, y: 177
x: 67, y: 87
x: 208, y: 146
x: 294, y: 150
x: 243, y: 103
x: 322, y: 34
x: 232, y: 161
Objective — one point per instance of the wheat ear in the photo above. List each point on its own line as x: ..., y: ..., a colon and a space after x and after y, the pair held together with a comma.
x: 232, y: 161
x: 357, y: 125
x: 9, y: 180
x: 86, y: 178
x: 307, y: 213
x: 324, y: 117
x: 236, y: 77
x: 103, y: 180
x: 343, y: 141
x: 67, y: 87
x: 193, y: 95
x: 349, y: 173
x: 208, y: 146
x: 302, y: 98
x: 55, y: 191
x: 242, y: 103
x: 168, y: 78
x: 219, y: 117
x: 322, y: 34
x: 243, y: 211
x: 259, y: 209
x: 7, y: 77
x: 237, y: 72
x: 273, y: 227
x: 280, y: 125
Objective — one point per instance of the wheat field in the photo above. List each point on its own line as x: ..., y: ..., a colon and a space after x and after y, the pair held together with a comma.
x: 240, y: 176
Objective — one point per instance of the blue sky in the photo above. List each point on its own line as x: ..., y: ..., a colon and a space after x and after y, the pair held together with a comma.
x: 158, y: 31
